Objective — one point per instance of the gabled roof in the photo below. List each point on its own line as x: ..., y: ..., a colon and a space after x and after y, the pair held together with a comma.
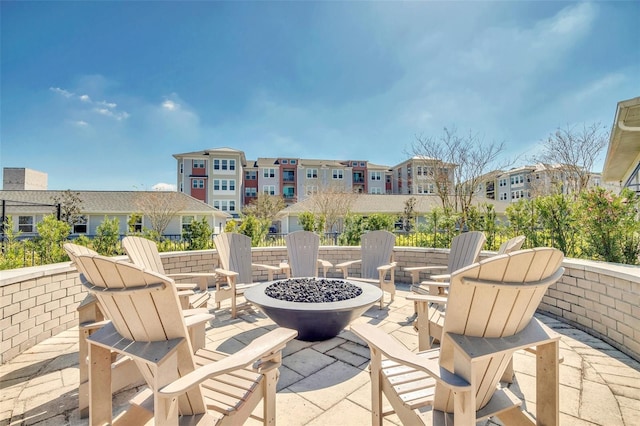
x: 623, y: 154
x: 392, y: 204
x: 101, y: 202
x: 224, y: 150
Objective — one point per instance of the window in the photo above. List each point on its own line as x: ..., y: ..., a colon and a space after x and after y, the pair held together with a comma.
x: 337, y: 174
x: 292, y: 161
x: 311, y: 189
x: 375, y: 175
x: 375, y: 190
x: 25, y: 224
x: 224, y: 165
x: 80, y: 225
x: 517, y: 179
x: 198, y: 164
x: 232, y: 206
x: 503, y: 196
x: 419, y: 170
x: 135, y: 223
x: 216, y: 204
x: 285, y: 161
x: 288, y: 192
x: 251, y: 192
x: 223, y: 184
x: 251, y: 175
x: 517, y: 194
x: 181, y: 167
x: 312, y: 173
x: 232, y: 184
x: 502, y: 182
x: 186, y: 222
x: 197, y: 183
x: 269, y: 189
x: 216, y: 164
x: 362, y: 164
x: 268, y: 173
x: 232, y: 164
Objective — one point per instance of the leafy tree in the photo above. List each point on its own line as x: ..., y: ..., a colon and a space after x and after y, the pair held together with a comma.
x: 408, y: 216
x: 575, y: 151
x: 379, y: 221
x: 231, y: 226
x: 12, y: 249
x: 199, y: 235
x: 558, y: 218
x: 524, y: 219
x: 107, y: 237
x: 48, y: 244
x: 610, y: 226
x: 353, y: 228
x: 134, y: 219
x: 442, y: 224
x: 70, y: 207
x: 254, y: 228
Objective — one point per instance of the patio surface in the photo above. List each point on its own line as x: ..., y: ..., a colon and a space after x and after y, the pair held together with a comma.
x: 326, y: 383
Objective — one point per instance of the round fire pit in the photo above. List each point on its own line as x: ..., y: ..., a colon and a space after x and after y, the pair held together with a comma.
x: 314, y: 319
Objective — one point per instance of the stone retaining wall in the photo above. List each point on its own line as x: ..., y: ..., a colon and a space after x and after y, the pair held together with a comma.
x: 600, y: 298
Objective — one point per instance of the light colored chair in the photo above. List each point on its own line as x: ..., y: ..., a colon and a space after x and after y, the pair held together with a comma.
x: 465, y: 250
x: 91, y: 317
x: 431, y: 310
x: 234, y: 251
x: 376, y: 262
x: 302, y: 253
x: 513, y: 244
x: 491, y: 307
x: 144, y: 252
x: 147, y: 325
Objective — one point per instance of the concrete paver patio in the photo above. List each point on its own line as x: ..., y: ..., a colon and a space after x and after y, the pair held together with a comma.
x: 326, y: 383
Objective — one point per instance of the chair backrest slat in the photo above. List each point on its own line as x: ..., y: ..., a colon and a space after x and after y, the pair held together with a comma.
x: 377, y: 250
x: 465, y: 249
x: 302, y: 251
x: 144, y: 252
x: 234, y: 251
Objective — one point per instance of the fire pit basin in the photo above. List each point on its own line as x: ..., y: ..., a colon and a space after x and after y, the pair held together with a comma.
x: 314, y: 321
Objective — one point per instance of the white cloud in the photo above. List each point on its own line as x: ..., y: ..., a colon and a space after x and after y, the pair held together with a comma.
x: 170, y: 105
x: 60, y: 91
x: 104, y: 108
x: 163, y: 187
x: 81, y: 123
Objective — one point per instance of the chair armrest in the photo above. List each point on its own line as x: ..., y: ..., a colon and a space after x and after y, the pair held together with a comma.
x: 427, y: 298
x: 267, y: 267
x: 435, y: 283
x: 197, y: 319
x: 348, y: 263
x: 194, y: 311
x: 183, y: 293
x: 387, y: 267
x: 344, y: 266
x: 415, y: 271
x: 393, y: 350
x: 185, y: 286
x: 226, y: 272
x: 263, y: 347
x: 440, y: 277
x: 326, y: 265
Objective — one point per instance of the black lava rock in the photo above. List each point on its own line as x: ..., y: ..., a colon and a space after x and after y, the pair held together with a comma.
x: 312, y: 290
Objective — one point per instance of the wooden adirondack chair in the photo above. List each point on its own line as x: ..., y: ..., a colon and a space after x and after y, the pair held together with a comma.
x: 376, y: 261
x: 147, y: 325
x: 511, y: 245
x: 465, y: 249
x: 491, y: 307
x: 431, y: 309
x: 91, y: 317
x: 144, y: 252
x: 302, y: 252
x: 234, y: 251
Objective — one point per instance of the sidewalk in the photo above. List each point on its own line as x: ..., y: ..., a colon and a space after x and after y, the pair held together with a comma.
x: 326, y: 383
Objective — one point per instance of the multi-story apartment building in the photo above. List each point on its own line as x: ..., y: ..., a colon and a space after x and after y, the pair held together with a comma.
x: 214, y: 176
x: 419, y: 175
x: 530, y: 182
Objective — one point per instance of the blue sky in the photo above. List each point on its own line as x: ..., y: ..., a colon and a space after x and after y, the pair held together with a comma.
x: 99, y: 95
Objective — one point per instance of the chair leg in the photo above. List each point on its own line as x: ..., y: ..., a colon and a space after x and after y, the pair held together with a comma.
x: 269, y: 404
x: 376, y: 387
